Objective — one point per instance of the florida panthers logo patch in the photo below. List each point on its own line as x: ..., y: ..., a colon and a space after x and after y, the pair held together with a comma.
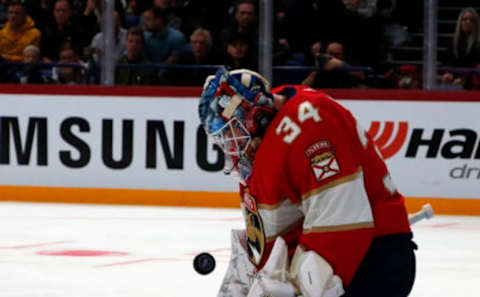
x: 255, y: 231
x: 322, y: 160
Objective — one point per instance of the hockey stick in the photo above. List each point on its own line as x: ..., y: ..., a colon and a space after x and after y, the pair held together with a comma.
x: 425, y: 213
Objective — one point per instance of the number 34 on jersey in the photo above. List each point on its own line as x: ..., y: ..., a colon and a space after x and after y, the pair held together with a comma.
x: 290, y: 129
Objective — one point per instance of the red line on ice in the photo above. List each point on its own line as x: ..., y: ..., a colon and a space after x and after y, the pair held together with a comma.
x: 148, y: 260
x: 26, y: 246
x: 81, y: 253
x: 210, y: 251
x: 128, y: 218
x: 444, y: 225
x: 140, y: 261
x: 456, y: 226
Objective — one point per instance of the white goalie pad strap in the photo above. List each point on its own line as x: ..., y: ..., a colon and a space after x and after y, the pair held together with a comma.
x: 239, y: 276
x: 314, y: 276
x: 273, y: 279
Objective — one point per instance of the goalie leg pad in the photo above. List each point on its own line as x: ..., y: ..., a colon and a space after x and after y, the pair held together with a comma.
x: 240, y: 272
x: 265, y: 286
x: 314, y: 276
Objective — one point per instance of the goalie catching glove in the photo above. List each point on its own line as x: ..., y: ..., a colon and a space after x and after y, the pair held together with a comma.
x: 314, y: 276
x: 273, y: 280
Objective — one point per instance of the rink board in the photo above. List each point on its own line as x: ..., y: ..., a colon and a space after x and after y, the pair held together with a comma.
x: 146, y: 146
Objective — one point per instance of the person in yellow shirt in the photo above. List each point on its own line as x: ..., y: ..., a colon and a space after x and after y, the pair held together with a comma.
x: 19, y: 32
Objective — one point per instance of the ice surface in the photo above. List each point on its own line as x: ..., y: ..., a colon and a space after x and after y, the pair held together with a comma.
x: 70, y: 250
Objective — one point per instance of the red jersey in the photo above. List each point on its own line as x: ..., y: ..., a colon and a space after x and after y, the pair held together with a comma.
x: 319, y: 181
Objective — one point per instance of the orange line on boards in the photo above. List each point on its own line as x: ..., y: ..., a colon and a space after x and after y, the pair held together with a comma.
x: 451, y: 206
x: 448, y: 206
x: 119, y: 196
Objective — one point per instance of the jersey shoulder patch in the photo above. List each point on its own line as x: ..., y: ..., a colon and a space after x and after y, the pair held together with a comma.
x: 323, y: 160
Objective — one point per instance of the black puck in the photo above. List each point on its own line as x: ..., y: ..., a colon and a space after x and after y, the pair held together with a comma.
x: 204, y: 263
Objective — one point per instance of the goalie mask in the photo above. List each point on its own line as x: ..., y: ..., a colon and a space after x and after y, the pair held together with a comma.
x: 235, y: 108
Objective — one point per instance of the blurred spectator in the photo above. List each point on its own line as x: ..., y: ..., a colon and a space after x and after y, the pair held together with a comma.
x: 18, y: 32
x: 239, y: 54
x: 335, y: 49
x: 315, y: 51
x: 94, y: 53
x: 366, y: 34
x: 309, y: 21
x: 201, y: 54
x: 364, y: 8
x: 465, y: 48
x: 3, y: 12
x: 407, y: 77
x: 397, y: 29
x: 333, y: 72
x: 95, y: 49
x: 172, y: 19
x: 64, y: 28
x: 329, y: 20
x: 138, y: 7
x: 92, y: 15
x: 135, y: 41
x: 132, y: 17
x: 131, y: 7
x: 91, y: 12
x: 245, y: 23
x: 162, y: 43
x: 69, y: 75
x: 386, y: 8
x: 146, y: 21
x: 211, y: 15
x: 40, y: 11
x: 81, y: 5
x: 4, y: 71
x: 283, y: 53
x: 404, y: 12
x: 78, y: 6
x: 31, y: 74
x: 201, y: 42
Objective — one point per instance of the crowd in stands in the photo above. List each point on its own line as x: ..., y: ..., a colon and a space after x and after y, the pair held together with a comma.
x: 156, y: 39
x: 464, y: 51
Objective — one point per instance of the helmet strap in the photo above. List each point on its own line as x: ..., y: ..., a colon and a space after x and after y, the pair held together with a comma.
x: 231, y: 107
